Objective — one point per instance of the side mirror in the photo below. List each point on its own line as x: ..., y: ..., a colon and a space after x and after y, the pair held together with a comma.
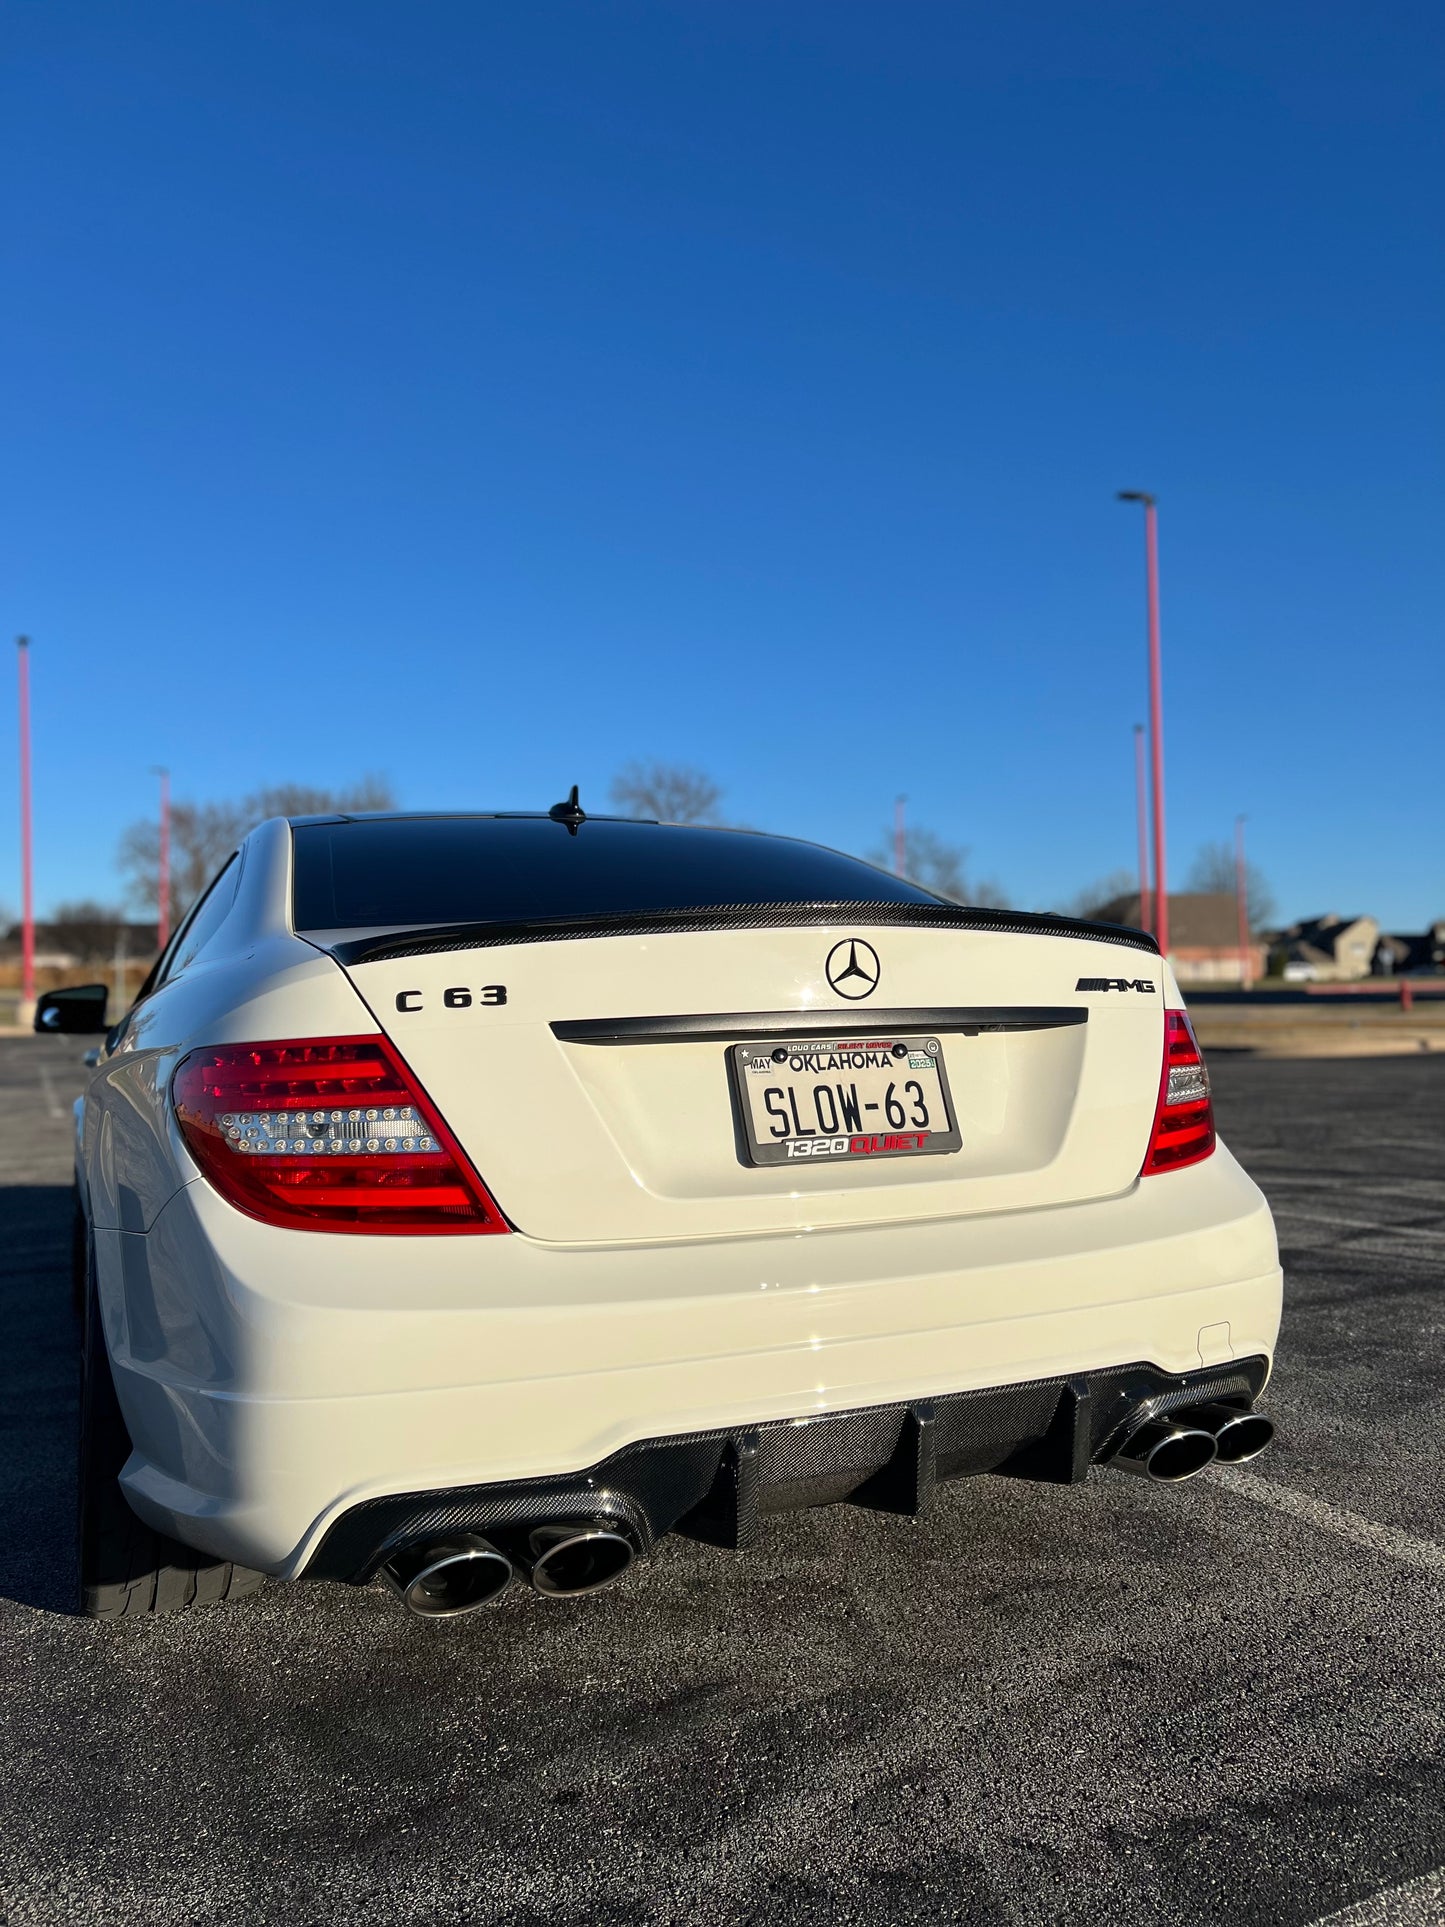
x: 79, y: 1008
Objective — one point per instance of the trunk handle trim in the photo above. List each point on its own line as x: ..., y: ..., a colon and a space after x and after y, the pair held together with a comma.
x: 738, y: 1026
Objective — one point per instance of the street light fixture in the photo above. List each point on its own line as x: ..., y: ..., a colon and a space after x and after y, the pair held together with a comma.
x: 1156, y: 711
x: 1141, y: 822
x: 27, y: 852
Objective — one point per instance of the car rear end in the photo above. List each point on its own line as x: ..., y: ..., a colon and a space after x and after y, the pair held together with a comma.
x: 640, y: 1178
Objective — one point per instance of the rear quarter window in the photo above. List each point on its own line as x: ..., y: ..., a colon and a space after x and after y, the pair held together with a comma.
x: 205, y: 920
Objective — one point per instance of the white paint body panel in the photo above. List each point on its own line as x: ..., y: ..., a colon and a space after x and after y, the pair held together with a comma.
x: 588, y: 1142
x: 271, y: 1378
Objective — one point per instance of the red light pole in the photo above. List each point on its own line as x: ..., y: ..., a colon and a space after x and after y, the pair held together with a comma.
x: 900, y: 838
x: 27, y: 887
x: 1156, y: 711
x: 1141, y: 816
x: 1241, y: 900
x: 163, y: 881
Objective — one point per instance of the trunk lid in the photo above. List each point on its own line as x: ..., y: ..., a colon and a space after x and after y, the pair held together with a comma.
x: 588, y: 1077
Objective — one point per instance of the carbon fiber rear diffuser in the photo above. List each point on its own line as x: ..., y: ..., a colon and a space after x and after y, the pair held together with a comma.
x: 715, y: 1485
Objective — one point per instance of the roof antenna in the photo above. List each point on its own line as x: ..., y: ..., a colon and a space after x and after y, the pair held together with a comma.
x: 571, y: 813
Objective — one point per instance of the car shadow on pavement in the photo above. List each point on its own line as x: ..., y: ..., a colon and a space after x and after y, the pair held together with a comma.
x: 38, y: 1386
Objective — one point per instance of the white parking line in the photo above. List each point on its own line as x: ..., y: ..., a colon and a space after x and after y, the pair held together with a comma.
x: 1359, y: 1224
x: 52, y: 1102
x: 1423, y: 1554
x: 1419, y: 1903
x: 1411, y: 1188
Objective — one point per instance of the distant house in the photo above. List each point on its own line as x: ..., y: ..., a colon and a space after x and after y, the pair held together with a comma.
x: 1328, y: 950
x: 62, y: 946
x: 1203, y: 936
x: 49, y: 955
x: 1399, y: 956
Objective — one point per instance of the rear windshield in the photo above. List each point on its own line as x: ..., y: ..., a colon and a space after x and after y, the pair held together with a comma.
x: 448, y: 870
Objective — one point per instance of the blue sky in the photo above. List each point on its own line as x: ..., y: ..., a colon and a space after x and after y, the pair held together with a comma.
x: 488, y: 395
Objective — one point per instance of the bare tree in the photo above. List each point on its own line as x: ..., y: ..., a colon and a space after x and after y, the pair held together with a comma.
x: 1213, y: 869
x: 989, y: 894
x: 1095, y: 898
x: 373, y: 792
x: 87, y: 929
x: 942, y: 867
x: 203, y: 835
x: 666, y: 793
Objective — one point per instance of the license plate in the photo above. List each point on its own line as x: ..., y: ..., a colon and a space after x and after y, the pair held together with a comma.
x: 843, y: 1098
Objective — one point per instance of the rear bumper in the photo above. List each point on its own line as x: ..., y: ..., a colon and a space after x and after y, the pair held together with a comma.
x: 274, y: 1381
x: 716, y: 1485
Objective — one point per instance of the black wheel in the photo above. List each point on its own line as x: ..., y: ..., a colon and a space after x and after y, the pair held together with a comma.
x: 79, y: 1255
x: 127, y: 1569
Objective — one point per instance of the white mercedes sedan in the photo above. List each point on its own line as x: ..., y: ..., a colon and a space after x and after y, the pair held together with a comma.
x: 478, y: 1197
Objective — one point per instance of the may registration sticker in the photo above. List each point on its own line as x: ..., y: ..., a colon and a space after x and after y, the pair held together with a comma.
x: 846, y: 1099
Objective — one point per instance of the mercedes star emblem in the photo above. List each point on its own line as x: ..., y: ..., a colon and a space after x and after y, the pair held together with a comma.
x: 853, y: 968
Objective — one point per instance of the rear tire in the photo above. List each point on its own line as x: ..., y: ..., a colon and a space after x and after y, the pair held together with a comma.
x: 79, y: 1256
x: 126, y: 1568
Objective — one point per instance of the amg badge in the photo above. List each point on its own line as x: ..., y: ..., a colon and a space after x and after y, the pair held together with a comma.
x: 1114, y: 983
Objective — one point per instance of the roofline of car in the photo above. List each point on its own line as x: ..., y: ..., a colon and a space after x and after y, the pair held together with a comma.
x: 940, y: 913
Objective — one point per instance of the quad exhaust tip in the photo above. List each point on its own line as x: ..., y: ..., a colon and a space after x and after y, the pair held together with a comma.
x: 1238, y: 1434
x: 565, y: 1561
x: 449, y: 1577
x: 1165, y: 1451
x: 445, y: 1578
x: 1183, y: 1442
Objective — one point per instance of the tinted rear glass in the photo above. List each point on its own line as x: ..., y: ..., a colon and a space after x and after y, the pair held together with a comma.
x: 356, y: 876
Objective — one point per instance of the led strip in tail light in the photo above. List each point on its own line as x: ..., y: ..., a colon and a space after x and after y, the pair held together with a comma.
x: 1184, y: 1116
x: 327, y: 1134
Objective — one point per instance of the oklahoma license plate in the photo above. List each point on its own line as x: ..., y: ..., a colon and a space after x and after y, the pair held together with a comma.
x: 843, y: 1098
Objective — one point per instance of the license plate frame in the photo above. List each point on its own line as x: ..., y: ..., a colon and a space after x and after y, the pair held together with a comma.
x: 749, y: 1059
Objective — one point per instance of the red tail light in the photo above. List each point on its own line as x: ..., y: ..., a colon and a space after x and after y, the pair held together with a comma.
x: 327, y: 1135
x: 1184, y: 1117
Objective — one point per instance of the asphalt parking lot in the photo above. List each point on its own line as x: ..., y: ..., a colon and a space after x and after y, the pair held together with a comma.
x: 1111, y: 1703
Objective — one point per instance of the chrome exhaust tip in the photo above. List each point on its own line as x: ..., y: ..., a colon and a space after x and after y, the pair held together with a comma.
x: 449, y: 1577
x: 1238, y: 1434
x: 1165, y: 1450
x: 565, y: 1561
